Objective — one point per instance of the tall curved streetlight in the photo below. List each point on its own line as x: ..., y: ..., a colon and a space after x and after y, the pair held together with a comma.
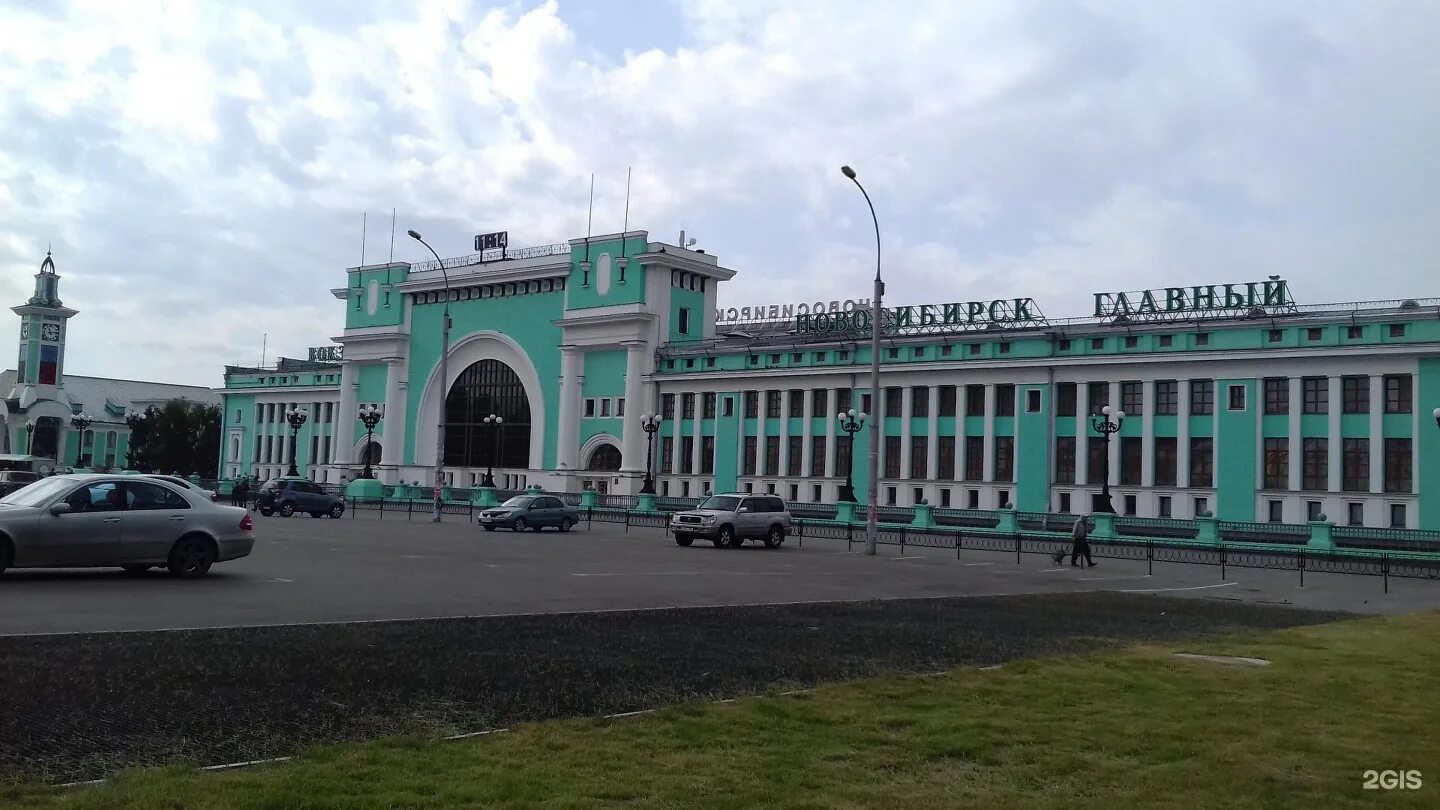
x: 873, y: 485
x: 1106, y: 424
x: 444, y: 379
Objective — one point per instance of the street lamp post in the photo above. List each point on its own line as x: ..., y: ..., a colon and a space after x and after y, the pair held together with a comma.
x: 369, y: 417
x: 1436, y: 414
x: 851, y: 422
x: 296, y: 418
x: 498, y: 422
x: 1106, y: 427
x: 444, y: 379
x: 650, y: 423
x: 873, y: 486
x: 30, y: 437
x: 81, y: 421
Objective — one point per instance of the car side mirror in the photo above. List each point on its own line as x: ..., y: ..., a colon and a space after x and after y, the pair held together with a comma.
x: 743, y: 509
x: 58, y: 509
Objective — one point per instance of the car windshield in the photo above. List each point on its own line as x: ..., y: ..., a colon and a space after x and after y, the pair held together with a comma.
x: 518, y: 501
x: 720, y: 503
x: 38, y: 492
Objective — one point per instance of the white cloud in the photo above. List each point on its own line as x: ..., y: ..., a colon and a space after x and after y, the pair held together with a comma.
x: 204, y: 166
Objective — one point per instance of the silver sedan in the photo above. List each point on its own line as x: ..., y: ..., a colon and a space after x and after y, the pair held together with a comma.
x: 74, y: 521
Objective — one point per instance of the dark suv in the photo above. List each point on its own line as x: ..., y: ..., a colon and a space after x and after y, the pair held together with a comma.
x: 290, y: 495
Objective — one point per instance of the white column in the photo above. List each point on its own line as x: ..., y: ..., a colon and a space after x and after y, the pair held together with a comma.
x: 785, y: 431
x: 989, y: 460
x: 833, y: 433
x: 1333, y: 454
x: 1182, y: 438
x: 675, y: 425
x: 1147, y: 434
x: 345, y: 419
x: 567, y: 431
x: 697, y: 447
x: 1082, y: 434
x: 907, y: 407
x: 761, y: 397
x: 1377, y: 434
x: 1297, y: 447
x: 1112, y: 462
x: 807, y: 449
x: 932, y: 444
x: 632, y: 439
x: 393, y: 440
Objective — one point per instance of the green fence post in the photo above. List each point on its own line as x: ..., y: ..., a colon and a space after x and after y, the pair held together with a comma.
x: 924, y: 516
x: 1322, y: 535
x: 1104, y: 525
x: 1207, y: 529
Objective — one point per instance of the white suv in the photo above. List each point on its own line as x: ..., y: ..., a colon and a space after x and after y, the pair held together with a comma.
x: 732, y: 518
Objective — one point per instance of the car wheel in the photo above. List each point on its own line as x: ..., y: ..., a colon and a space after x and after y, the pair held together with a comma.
x: 565, y: 524
x: 135, y: 570
x: 683, y: 541
x: 191, y: 558
x: 775, y: 537
x: 519, y: 525
x: 337, y: 510
x: 726, y: 538
x: 287, y: 509
x: 267, y: 511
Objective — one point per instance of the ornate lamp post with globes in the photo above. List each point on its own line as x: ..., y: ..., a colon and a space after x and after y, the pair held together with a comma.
x: 498, y: 422
x: 136, y: 420
x: 1106, y: 424
x: 851, y: 422
x: 369, y: 417
x: 82, y: 422
x: 650, y: 423
x: 296, y: 418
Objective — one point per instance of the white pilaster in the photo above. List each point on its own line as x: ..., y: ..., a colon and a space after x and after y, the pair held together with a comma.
x: 1112, y: 461
x: 345, y: 420
x: 1296, y: 455
x: 907, y: 407
x: 807, y: 445
x: 785, y: 431
x: 1333, y: 455
x: 1147, y: 434
x: 989, y: 460
x: 1377, y: 434
x: 632, y: 439
x: 1182, y: 437
x: 1082, y: 434
x: 932, y: 444
x: 393, y: 439
x: 567, y: 430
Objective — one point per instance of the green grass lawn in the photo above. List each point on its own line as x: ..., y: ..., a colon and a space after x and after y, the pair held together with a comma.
x: 1131, y: 728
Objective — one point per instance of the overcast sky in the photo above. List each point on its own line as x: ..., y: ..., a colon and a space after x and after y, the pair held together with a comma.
x: 202, y: 168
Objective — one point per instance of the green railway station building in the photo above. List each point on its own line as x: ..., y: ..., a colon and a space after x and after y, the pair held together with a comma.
x: 1239, y: 402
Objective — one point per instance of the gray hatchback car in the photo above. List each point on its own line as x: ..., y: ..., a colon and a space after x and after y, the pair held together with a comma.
x: 78, y: 521
x: 729, y: 520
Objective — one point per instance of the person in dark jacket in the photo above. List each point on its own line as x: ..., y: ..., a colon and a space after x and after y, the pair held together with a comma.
x: 1080, y: 542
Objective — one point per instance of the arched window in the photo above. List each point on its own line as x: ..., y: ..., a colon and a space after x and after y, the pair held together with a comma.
x: 605, y: 458
x: 371, y: 453
x: 487, y: 387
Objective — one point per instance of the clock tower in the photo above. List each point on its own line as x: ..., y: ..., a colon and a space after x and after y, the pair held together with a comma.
x: 43, y: 321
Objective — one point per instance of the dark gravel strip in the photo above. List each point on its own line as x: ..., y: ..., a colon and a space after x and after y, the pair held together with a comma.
x: 80, y: 706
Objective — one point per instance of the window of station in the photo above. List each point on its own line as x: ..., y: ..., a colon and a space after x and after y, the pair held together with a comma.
x: 1397, y: 330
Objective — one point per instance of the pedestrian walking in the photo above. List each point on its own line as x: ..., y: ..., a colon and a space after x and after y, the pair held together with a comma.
x: 1080, y: 542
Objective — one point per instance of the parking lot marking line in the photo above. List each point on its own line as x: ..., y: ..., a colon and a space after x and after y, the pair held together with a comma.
x: 1191, y: 588
x: 684, y: 574
x: 279, y: 579
x: 1048, y: 570
x: 972, y: 565
x: 1109, y: 579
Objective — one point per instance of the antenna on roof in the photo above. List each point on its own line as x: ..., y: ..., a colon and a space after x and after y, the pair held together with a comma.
x: 264, y: 344
x: 626, y: 227
x: 590, y: 217
x: 364, y: 217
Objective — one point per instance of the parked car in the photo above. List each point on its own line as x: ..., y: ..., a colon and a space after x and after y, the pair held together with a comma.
x: 529, y: 512
x: 88, y: 520
x: 181, y: 482
x: 12, y: 480
x: 290, y: 495
x: 730, y: 519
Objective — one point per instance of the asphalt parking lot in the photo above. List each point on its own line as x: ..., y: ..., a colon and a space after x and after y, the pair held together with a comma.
x: 306, y: 570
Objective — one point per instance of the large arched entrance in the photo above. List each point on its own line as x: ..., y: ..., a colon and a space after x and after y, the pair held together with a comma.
x: 45, y: 438
x: 605, y: 458
x: 484, y: 388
